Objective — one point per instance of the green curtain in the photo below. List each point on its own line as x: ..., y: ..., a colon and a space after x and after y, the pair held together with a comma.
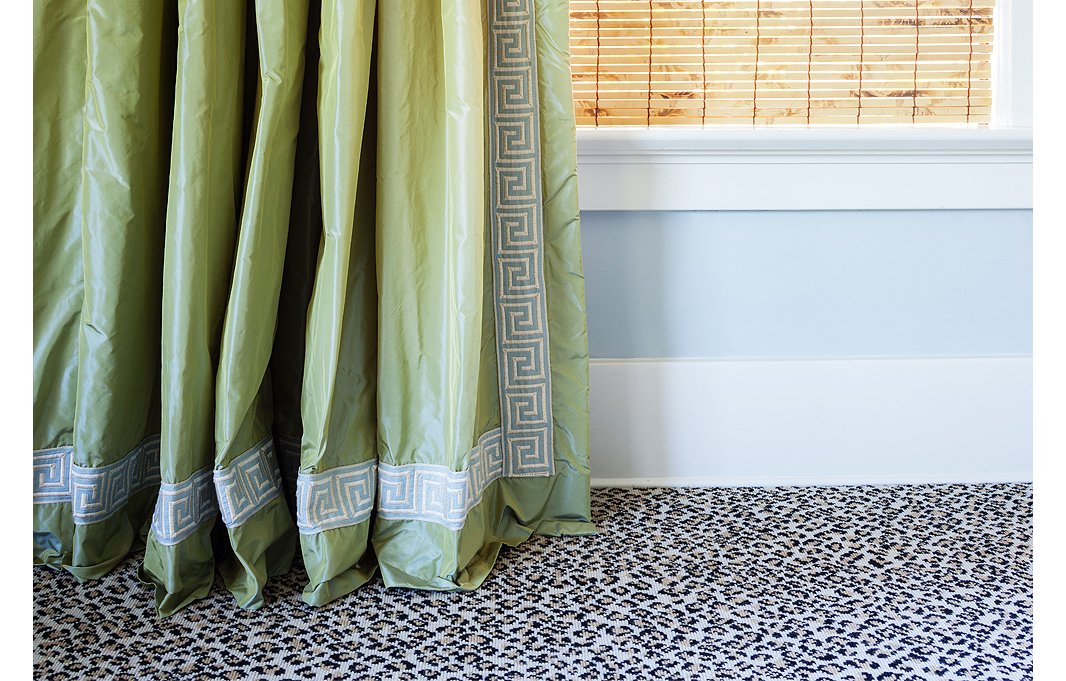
x: 307, y: 282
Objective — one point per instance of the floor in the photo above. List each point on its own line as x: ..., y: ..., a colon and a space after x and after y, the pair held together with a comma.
x: 805, y: 583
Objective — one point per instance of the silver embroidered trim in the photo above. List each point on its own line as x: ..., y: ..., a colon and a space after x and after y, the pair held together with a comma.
x: 182, y: 507
x: 438, y: 494
x: 103, y: 489
x: 248, y: 483
x: 335, y: 498
x: 94, y: 492
x: 51, y: 475
x: 516, y: 223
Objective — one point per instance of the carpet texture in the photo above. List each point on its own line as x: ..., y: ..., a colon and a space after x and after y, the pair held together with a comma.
x: 805, y: 583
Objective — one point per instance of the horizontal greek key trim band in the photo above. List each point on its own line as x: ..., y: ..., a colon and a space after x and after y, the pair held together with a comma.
x: 182, y: 507
x: 437, y: 494
x: 94, y: 492
x: 248, y: 483
x: 335, y: 498
x: 51, y: 475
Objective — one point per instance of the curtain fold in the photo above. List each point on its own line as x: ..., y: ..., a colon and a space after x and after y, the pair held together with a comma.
x: 307, y: 286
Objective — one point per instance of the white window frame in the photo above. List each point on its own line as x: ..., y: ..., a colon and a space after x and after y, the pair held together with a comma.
x: 829, y: 168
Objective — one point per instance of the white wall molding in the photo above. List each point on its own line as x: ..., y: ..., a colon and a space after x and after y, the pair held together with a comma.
x: 798, y: 144
x: 811, y: 422
x: 1012, y: 64
x: 788, y: 168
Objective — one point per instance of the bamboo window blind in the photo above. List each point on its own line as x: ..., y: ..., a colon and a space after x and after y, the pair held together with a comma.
x: 805, y: 62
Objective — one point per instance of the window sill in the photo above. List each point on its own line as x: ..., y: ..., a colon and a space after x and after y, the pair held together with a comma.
x: 804, y: 168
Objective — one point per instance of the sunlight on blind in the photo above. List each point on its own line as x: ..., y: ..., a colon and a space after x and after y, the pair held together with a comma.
x: 805, y: 62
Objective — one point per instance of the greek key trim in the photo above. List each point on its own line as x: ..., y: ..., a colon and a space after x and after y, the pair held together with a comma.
x: 182, y: 507
x: 516, y: 225
x: 335, y: 498
x: 51, y: 475
x: 248, y: 483
x: 95, y: 493
x: 437, y: 494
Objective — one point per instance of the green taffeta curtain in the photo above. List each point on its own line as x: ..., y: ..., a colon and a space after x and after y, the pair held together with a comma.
x: 307, y: 280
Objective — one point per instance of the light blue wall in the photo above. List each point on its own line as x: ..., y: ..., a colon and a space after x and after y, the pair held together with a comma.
x: 808, y: 284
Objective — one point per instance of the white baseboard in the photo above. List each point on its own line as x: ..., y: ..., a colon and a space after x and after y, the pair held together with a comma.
x: 811, y: 422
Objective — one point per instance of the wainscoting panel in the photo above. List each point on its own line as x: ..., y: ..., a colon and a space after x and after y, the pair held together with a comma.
x: 677, y: 422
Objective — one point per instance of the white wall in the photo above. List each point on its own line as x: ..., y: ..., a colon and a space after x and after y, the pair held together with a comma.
x: 809, y: 347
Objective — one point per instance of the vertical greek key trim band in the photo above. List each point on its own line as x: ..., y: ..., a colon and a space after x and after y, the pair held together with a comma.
x: 335, y: 498
x: 516, y: 225
x: 95, y: 492
x: 184, y: 506
x: 248, y: 483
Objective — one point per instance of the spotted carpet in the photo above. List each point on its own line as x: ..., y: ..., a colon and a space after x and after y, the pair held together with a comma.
x: 804, y: 583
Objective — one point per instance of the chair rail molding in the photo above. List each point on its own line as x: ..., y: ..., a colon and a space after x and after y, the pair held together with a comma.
x: 789, y: 168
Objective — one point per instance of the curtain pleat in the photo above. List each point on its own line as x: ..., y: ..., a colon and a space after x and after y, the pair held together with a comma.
x: 339, y: 387
x: 307, y: 286
x: 203, y: 205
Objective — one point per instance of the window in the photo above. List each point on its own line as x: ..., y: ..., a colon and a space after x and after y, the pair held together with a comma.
x: 764, y: 62
x: 758, y: 105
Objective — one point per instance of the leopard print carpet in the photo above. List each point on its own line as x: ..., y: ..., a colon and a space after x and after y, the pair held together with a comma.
x: 805, y: 583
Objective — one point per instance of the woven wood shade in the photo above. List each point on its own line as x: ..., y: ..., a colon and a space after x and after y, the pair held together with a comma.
x: 806, y: 62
